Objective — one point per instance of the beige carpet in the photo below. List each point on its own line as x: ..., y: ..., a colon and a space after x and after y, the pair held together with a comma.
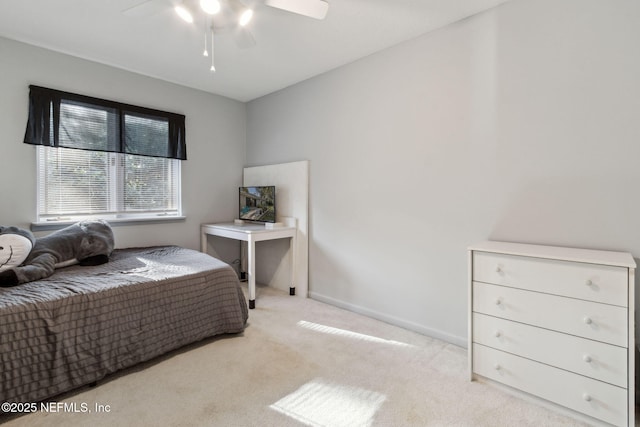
x: 300, y: 362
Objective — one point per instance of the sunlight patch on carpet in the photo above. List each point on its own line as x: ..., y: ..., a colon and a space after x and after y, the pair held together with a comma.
x: 320, y: 403
x: 349, y: 334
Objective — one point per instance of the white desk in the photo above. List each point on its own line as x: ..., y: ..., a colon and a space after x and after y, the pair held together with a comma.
x: 252, y: 233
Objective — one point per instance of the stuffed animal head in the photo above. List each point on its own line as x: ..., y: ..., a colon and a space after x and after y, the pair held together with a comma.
x: 15, y: 245
x: 97, y: 239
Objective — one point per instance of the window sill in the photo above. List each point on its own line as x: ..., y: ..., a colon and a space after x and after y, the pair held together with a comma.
x: 56, y: 225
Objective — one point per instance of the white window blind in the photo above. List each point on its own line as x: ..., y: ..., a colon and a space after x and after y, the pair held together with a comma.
x: 76, y: 184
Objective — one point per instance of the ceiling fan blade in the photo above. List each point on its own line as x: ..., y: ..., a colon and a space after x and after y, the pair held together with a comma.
x: 147, y: 8
x: 243, y: 38
x: 312, y: 8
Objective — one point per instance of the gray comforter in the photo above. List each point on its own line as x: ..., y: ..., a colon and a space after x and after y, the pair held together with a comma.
x: 84, y: 323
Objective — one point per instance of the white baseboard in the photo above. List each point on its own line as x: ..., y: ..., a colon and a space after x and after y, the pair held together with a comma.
x: 433, y: 333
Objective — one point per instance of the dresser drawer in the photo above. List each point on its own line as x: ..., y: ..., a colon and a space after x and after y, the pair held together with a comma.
x: 594, y: 359
x: 594, y: 398
x: 600, y: 322
x: 592, y: 282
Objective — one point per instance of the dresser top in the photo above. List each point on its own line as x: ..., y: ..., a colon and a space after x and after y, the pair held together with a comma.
x: 620, y: 259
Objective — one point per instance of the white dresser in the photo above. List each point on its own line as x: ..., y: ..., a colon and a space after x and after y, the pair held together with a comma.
x: 557, y: 323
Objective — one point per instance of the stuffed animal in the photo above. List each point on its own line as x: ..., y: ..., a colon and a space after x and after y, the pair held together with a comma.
x: 84, y: 243
x: 15, y: 245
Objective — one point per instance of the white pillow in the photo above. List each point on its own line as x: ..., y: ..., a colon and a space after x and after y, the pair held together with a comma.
x: 14, y: 249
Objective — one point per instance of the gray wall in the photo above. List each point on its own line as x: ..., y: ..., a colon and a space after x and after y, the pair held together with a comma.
x: 518, y: 124
x: 215, y: 131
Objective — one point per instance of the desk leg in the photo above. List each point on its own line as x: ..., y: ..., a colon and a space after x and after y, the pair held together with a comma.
x: 251, y: 266
x: 292, y: 247
x: 203, y: 242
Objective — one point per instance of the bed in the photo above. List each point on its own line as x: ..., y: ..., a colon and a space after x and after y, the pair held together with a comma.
x: 84, y: 323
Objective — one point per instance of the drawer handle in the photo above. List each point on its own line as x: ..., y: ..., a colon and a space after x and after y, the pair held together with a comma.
x: 586, y: 358
x: 498, y: 270
x: 588, y: 282
x: 587, y: 320
x: 497, y: 334
x: 498, y: 301
x: 587, y: 397
x: 497, y: 367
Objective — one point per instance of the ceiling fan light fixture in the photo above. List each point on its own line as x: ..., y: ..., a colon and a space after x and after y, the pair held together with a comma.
x: 184, y: 13
x: 245, y: 17
x: 210, y: 6
x: 236, y: 9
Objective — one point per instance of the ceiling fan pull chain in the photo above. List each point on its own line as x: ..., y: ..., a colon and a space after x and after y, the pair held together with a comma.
x: 213, y: 67
x: 206, y: 51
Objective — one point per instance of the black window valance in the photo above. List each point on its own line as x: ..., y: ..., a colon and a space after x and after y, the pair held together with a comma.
x: 63, y: 119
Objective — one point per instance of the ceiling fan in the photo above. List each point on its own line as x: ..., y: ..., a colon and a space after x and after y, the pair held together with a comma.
x: 226, y: 16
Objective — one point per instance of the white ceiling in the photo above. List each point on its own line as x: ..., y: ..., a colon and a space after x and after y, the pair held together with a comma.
x: 289, y: 48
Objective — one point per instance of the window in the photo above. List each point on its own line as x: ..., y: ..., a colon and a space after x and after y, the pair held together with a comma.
x: 104, y: 160
x: 74, y: 184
